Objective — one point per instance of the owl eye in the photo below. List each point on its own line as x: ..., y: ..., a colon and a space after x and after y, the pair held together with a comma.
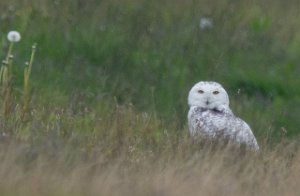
x: 216, y: 92
x: 200, y: 91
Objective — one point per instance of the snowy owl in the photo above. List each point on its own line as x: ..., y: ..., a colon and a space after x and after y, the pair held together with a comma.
x: 210, y: 116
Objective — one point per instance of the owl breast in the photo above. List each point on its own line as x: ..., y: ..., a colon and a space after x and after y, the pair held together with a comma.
x: 209, y: 122
x: 215, y: 124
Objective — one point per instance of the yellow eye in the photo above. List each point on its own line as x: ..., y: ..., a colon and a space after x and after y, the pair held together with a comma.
x: 216, y: 92
x: 200, y: 91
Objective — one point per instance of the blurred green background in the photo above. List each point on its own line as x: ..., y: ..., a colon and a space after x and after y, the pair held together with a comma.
x: 150, y: 53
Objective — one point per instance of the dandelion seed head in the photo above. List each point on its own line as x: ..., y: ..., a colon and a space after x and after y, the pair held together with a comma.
x: 13, y: 36
x: 34, y: 46
x: 206, y: 23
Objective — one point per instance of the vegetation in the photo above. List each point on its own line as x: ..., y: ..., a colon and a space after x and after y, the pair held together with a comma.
x: 102, y: 108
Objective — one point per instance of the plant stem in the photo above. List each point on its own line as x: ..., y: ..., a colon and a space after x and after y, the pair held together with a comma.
x: 26, y: 89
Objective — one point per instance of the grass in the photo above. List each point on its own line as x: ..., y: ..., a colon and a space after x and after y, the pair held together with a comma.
x: 125, y: 156
x: 107, y: 150
x: 108, y: 88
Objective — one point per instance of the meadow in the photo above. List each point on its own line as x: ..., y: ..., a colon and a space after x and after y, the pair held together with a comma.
x: 107, y: 99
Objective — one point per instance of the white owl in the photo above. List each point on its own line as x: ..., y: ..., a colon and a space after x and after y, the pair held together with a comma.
x: 210, y: 116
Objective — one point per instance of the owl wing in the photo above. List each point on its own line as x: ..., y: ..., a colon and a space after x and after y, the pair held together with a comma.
x: 244, y: 134
x: 214, y: 124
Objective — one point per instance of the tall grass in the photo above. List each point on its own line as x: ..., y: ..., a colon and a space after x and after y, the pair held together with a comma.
x: 108, y: 95
x: 115, y: 150
x: 125, y: 156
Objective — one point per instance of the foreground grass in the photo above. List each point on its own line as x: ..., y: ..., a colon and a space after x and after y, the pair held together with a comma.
x: 203, y: 172
x: 206, y: 173
x: 118, y: 151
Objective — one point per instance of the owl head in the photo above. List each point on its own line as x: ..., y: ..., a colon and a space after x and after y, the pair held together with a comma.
x: 209, y: 95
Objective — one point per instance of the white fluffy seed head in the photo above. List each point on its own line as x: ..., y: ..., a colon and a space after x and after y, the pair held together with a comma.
x: 206, y: 23
x: 13, y: 36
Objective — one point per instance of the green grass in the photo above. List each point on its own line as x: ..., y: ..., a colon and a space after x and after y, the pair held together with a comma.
x: 150, y: 54
x: 109, y: 86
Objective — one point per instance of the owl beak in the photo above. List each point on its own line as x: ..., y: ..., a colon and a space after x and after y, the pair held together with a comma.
x: 207, y: 102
